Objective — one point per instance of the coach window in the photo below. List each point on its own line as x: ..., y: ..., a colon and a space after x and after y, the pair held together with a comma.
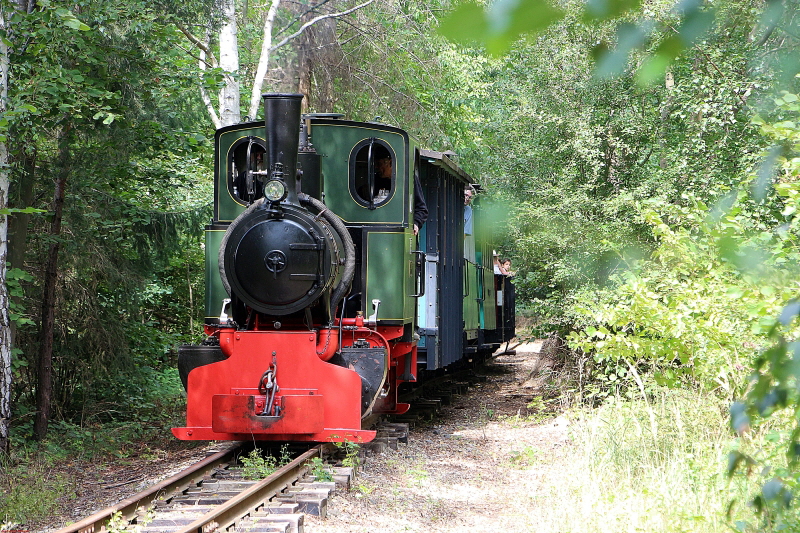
x: 373, y: 172
x: 246, y: 188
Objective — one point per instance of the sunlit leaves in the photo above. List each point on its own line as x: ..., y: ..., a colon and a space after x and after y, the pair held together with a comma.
x: 647, y: 41
x: 28, y: 210
x: 768, y: 255
x: 501, y: 24
x: 70, y: 20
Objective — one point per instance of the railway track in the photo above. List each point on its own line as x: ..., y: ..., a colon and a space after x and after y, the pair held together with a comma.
x: 212, y: 495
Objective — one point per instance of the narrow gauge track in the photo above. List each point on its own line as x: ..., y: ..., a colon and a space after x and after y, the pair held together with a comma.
x: 208, y: 496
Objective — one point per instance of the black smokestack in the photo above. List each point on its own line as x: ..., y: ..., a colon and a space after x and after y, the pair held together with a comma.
x: 282, y: 121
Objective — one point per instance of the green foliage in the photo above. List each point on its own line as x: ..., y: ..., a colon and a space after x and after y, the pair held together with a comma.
x: 684, y: 316
x: 110, y: 78
x: 319, y: 471
x: 30, y: 489
x: 500, y: 25
x: 115, y: 420
x: 524, y: 458
x: 773, y: 388
x: 645, y: 38
x: 15, y: 280
x: 349, y: 452
x: 390, y: 63
x: 693, y: 312
x: 118, y: 524
x: 576, y: 155
x: 257, y: 465
x: 10, y: 210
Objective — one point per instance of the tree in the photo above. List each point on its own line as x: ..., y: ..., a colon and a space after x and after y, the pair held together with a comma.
x: 5, y: 323
x: 98, y: 105
x: 228, y: 63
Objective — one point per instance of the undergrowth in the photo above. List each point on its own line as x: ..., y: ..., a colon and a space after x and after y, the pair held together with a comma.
x: 31, y: 488
x: 258, y: 465
x: 645, y: 465
x: 36, y: 479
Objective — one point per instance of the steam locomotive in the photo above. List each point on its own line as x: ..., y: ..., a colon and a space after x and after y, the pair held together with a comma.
x: 320, y: 299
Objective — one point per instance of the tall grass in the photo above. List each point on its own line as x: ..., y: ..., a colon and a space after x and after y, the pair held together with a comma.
x: 29, y: 490
x: 655, y: 465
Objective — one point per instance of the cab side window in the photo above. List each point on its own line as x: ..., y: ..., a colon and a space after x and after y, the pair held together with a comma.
x: 372, y: 173
x: 244, y: 187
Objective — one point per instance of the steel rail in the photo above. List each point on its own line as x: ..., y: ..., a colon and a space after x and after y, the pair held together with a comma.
x: 250, y: 499
x: 178, y: 482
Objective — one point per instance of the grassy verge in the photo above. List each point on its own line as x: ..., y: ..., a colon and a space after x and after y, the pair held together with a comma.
x: 655, y: 466
x: 40, y: 480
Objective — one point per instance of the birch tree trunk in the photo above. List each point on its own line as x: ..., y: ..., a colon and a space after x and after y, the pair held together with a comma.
x: 5, y: 329
x: 229, y: 61
x: 263, y: 60
x: 229, y: 99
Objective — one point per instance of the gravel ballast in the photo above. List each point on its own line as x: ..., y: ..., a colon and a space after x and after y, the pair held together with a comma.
x: 476, y: 468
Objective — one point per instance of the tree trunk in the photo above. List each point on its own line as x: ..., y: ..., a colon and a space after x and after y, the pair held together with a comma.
x: 21, y: 197
x: 229, y: 111
x: 666, y: 110
x: 5, y: 330
x: 304, y: 72
x: 317, y: 54
x: 263, y: 60
x: 44, y: 389
x: 18, y: 223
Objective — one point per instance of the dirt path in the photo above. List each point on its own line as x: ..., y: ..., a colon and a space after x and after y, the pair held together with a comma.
x: 476, y: 469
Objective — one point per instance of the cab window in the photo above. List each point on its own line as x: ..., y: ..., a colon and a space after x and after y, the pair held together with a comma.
x: 246, y: 189
x: 372, y: 173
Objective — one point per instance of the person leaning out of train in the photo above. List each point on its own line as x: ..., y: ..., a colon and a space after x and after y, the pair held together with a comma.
x: 498, y: 267
x: 506, y: 267
x: 468, y: 192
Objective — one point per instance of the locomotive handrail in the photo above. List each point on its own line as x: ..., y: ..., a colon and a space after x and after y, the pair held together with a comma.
x: 465, y: 280
x: 371, y: 174
x: 420, y: 273
x: 481, y: 285
x: 249, y: 172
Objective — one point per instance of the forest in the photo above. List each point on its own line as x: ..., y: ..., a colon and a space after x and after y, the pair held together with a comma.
x: 644, y: 157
